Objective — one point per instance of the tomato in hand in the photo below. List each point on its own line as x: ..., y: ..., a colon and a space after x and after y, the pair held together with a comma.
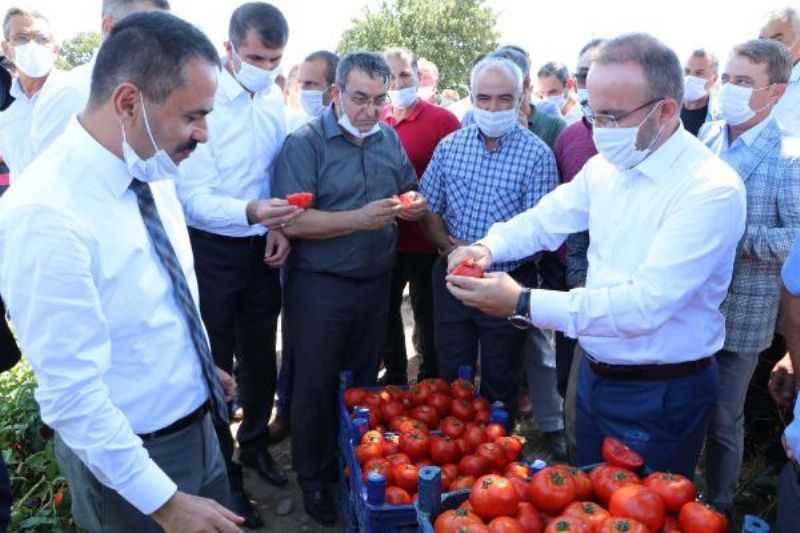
x: 397, y: 496
x: 606, y: 479
x: 675, y: 489
x: 570, y: 524
x: 454, y: 520
x: 473, y: 465
x: 617, y: 453
x: 505, y: 524
x: 462, y: 409
x: 415, y: 444
x: 696, y: 517
x: 468, y: 268
x: 552, y: 490
x: 300, y: 199
x: 614, y: 524
x: 494, y: 496
x: 589, y: 512
x: 452, y: 427
x: 406, y: 477
x: 528, y: 517
x: 640, y: 503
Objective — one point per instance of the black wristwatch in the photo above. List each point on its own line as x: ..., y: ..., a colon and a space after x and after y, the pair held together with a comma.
x: 522, y: 314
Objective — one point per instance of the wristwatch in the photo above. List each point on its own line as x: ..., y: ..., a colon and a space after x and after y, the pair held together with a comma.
x: 522, y: 314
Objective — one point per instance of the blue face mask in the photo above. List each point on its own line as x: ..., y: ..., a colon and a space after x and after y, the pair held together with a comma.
x: 159, y: 166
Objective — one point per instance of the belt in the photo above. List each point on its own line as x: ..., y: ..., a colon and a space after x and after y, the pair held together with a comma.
x: 648, y: 372
x: 182, y: 423
x: 194, y: 232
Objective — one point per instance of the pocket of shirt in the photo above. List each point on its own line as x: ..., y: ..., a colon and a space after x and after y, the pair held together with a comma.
x: 507, y: 202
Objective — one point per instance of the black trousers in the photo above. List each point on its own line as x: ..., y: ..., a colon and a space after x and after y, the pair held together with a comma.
x: 9, y: 356
x: 554, y: 277
x: 334, y: 324
x: 464, y: 332
x: 240, y: 300
x: 414, y: 270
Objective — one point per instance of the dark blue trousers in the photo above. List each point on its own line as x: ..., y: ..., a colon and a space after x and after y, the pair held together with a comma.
x: 665, y: 421
x: 788, y: 500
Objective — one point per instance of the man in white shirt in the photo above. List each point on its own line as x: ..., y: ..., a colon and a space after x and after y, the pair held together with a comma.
x: 98, y: 276
x: 783, y: 25
x: 555, y: 86
x: 67, y: 96
x: 29, y: 44
x: 665, y: 216
x: 225, y: 194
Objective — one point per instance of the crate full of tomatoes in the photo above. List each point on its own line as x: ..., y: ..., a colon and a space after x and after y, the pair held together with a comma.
x: 612, y: 497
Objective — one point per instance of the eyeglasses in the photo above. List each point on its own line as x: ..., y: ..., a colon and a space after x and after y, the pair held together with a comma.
x: 21, y: 39
x: 362, y: 100
x: 601, y: 120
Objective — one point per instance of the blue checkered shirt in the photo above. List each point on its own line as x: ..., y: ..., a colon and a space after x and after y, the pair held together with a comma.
x: 471, y: 188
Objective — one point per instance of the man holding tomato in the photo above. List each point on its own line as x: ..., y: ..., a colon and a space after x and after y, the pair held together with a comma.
x: 343, y: 250
x: 665, y: 216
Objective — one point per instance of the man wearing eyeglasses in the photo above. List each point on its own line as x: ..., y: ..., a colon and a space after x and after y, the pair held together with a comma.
x: 29, y: 44
x: 336, y: 295
x: 665, y: 216
x: 783, y: 26
x: 767, y: 158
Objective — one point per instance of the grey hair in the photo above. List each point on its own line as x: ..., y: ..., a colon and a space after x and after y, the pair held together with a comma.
x: 402, y: 52
x: 513, y: 53
x: 661, y: 68
x: 786, y: 14
x: 119, y: 9
x: 497, y: 63
x: 556, y: 70
x: 370, y: 63
x: 774, y: 54
x: 705, y: 54
x: 19, y: 12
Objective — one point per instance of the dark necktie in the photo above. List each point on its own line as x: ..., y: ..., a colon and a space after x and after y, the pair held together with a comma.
x: 180, y: 289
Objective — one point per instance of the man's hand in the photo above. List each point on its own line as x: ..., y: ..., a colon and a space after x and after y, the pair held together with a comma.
x: 782, y: 383
x: 184, y: 513
x: 417, y: 209
x: 378, y: 214
x: 477, y: 252
x: 228, y: 384
x: 495, y: 294
x: 274, y: 213
x: 277, y: 249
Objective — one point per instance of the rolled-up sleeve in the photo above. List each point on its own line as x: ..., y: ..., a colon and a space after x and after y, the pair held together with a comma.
x: 295, y: 168
x: 47, y: 280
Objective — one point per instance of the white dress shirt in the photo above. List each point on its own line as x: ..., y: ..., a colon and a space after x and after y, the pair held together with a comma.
x: 58, y: 103
x: 244, y: 135
x: 574, y: 115
x: 663, y: 241
x: 94, y: 311
x: 787, y: 110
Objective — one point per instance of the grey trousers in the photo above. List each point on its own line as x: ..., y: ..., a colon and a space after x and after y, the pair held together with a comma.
x: 540, y: 365
x: 570, y: 402
x: 788, y: 500
x: 725, y: 444
x: 190, y: 457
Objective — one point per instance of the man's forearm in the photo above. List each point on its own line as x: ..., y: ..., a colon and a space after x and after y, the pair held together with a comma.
x: 319, y: 225
x: 434, y: 228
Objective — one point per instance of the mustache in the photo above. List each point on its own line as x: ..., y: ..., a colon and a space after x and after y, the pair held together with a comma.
x: 188, y: 147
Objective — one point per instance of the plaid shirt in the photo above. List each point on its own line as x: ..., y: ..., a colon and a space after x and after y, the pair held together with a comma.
x: 472, y: 188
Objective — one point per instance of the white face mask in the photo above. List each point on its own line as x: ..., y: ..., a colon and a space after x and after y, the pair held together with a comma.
x: 694, y: 88
x: 559, y: 100
x: 426, y: 92
x: 344, y: 122
x: 403, y: 98
x: 583, y: 95
x: 253, y: 78
x: 734, y: 103
x: 312, y: 102
x: 495, y: 124
x: 159, y: 166
x: 34, y: 60
x: 618, y: 145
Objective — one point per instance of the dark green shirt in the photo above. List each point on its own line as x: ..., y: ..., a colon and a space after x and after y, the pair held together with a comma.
x: 545, y: 127
x: 343, y: 176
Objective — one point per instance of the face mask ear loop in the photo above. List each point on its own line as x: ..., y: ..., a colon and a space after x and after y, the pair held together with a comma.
x: 147, y: 124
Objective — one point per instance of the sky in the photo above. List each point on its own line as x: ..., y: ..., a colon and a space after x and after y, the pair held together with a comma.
x: 550, y: 31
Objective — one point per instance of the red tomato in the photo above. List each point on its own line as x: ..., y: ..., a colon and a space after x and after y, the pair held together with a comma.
x: 372, y: 436
x: 528, y: 517
x: 406, y: 199
x: 415, y: 444
x: 390, y: 445
x: 441, y: 402
x: 670, y: 525
x: 397, y: 496
x: 406, y: 476
x: 615, y: 524
x: 461, y: 388
x: 462, y: 483
x: 449, y: 474
x: 395, y: 392
x: 511, y: 446
x: 606, y: 479
x: 367, y: 451
x: 492, y: 453
x: 424, y: 462
x: 589, y: 512
x: 482, y: 417
x: 438, y: 385
x: 469, y: 268
x: 452, y: 427
x: 392, y: 409
x: 426, y: 414
x: 523, y: 487
x: 456, y: 520
x: 696, y: 517
x: 395, y: 424
x: 398, y: 459
x: 372, y: 400
x: 583, y: 484
x: 517, y: 470
x: 675, y: 489
x: 473, y: 465
x: 353, y: 397
x: 380, y: 466
x: 407, y: 426
x: 569, y: 524
x: 617, y: 453
x: 494, y: 496
x: 462, y: 409
x: 464, y: 447
x: 300, y: 199
x: 495, y: 431
x: 505, y: 524
x: 552, y: 490
x: 474, y: 435
x: 640, y: 503
x: 444, y: 450
x: 420, y: 394
x: 481, y: 404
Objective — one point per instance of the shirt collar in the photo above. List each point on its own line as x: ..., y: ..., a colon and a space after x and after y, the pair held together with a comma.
x: 750, y: 136
x: 103, y: 162
x: 331, y: 128
x: 228, y: 86
x: 794, y: 77
x: 660, y: 162
x: 416, y: 111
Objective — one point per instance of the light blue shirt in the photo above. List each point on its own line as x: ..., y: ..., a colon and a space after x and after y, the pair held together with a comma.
x: 791, y: 280
x: 736, y: 153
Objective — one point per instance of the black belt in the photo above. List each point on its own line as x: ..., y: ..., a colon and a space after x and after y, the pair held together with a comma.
x: 648, y: 372
x: 194, y: 232
x: 183, y: 423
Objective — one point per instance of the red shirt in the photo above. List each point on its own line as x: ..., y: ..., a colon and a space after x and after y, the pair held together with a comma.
x: 420, y: 133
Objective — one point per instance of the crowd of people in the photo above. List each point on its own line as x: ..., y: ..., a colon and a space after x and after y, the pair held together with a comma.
x: 636, y: 218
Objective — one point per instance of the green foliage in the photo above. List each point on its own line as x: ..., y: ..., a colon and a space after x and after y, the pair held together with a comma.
x: 40, y: 500
x: 78, y: 50
x: 451, y: 33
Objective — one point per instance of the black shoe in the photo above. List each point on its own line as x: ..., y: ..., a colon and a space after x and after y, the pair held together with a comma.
x: 262, y: 462
x: 557, y: 444
x: 240, y: 504
x: 320, y: 506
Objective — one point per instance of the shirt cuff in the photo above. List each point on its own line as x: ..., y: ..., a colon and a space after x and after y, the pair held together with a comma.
x: 550, y: 310
x: 149, y: 490
x: 496, y: 244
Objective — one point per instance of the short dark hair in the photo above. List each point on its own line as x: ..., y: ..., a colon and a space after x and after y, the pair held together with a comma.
x: 774, y: 54
x: 331, y: 62
x: 149, y: 50
x: 370, y: 63
x: 119, y: 9
x: 518, y: 56
x: 19, y: 12
x: 400, y: 51
x: 556, y: 70
x: 705, y: 54
x: 661, y: 68
x: 594, y: 43
x: 266, y: 19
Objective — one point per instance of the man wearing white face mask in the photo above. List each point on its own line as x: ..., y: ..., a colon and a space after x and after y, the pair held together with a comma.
x: 783, y: 26
x: 316, y: 78
x: 701, y: 74
x: 555, y: 86
x: 420, y: 126
x: 484, y: 173
x: 665, y: 217
x: 235, y: 230
x: 767, y: 158
x: 28, y: 42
